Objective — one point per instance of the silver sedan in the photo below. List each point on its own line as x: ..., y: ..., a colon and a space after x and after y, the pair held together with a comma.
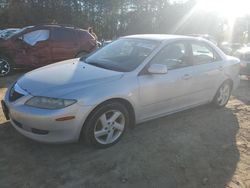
x: 132, y: 80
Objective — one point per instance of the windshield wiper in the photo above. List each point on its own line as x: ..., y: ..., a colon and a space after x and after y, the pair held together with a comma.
x: 108, y: 67
x: 98, y: 65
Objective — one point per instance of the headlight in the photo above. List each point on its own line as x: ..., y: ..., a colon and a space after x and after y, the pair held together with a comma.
x: 49, y: 103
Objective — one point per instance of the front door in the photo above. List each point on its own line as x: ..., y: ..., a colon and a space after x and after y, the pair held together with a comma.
x: 170, y: 92
x: 33, y: 48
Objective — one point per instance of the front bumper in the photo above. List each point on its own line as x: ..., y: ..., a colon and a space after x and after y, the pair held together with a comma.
x: 41, y: 124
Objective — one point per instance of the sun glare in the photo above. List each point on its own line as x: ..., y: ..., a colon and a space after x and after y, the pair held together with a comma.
x: 229, y: 9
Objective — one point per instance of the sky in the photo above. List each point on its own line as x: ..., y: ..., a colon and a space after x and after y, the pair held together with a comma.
x: 230, y: 9
x: 227, y: 8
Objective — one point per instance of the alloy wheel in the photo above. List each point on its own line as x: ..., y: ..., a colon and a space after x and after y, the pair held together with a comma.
x: 224, y: 94
x: 4, y: 67
x: 109, y: 127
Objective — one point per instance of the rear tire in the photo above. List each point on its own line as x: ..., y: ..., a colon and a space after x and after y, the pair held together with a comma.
x: 5, y: 66
x: 223, y: 95
x: 106, y: 125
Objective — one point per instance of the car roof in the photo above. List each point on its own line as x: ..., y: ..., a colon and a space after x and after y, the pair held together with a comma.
x: 58, y: 26
x: 159, y: 37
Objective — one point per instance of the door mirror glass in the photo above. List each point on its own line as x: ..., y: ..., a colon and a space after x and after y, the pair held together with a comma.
x: 158, y: 69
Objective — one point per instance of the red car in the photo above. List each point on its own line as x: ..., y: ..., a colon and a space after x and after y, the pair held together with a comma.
x: 36, y: 46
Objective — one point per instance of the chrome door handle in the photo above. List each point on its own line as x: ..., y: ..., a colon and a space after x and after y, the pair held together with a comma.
x: 186, y: 77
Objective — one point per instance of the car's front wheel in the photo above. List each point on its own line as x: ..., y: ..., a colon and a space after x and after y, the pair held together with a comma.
x: 106, y: 125
x: 223, y: 95
x: 5, y: 66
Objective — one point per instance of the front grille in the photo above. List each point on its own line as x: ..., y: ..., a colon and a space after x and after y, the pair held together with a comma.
x: 14, y: 95
x: 39, y: 131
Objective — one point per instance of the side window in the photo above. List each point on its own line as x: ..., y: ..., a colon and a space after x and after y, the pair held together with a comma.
x: 34, y: 37
x: 173, y: 55
x: 202, y: 54
x: 81, y: 34
x: 62, y: 35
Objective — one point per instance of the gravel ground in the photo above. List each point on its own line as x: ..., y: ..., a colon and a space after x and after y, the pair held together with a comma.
x: 201, y: 147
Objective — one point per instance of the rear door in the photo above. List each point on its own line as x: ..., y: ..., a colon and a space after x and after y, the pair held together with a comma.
x: 207, y: 71
x: 64, y: 44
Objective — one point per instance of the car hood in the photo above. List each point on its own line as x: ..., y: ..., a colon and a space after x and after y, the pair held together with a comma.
x: 59, y: 79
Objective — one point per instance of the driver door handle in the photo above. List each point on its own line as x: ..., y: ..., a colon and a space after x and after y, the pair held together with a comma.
x: 186, y: 77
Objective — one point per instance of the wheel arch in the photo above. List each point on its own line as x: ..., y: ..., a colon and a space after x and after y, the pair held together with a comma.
x: 230, y: 81
x: 128, y: 105
x: 226, y: 80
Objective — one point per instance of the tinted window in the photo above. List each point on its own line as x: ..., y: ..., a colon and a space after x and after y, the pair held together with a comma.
x: 173, y: 55
x: 81, y: 33
x: 61, y: 35
x: 203, y: 54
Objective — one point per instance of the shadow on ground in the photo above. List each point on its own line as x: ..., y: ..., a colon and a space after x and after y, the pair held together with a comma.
x: 195, y: 148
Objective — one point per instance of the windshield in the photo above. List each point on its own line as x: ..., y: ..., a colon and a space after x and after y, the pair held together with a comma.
x: 123, y: 55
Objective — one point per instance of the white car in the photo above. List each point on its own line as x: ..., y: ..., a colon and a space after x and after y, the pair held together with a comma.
x: 132, y: 80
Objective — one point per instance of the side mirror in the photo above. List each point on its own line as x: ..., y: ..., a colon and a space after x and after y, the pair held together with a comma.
x: 158, y: 69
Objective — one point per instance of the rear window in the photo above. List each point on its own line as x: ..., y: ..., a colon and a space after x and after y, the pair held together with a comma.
x: 86, y: 35
x: 63, y: 35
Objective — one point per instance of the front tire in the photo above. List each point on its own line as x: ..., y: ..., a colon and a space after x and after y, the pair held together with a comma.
x: 106, y: 125
x: 223, y: 95
x: 5, y: 66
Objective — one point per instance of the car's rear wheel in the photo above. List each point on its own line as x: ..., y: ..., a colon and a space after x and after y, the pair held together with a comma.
x: 106, y: 125
x: 5, y: 66
x: 223, y: 95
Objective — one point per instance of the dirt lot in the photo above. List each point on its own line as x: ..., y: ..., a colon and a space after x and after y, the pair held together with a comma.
x: 202, y: 147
